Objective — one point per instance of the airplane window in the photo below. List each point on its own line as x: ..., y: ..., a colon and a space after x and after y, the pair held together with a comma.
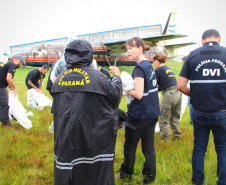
x: 38, y: 49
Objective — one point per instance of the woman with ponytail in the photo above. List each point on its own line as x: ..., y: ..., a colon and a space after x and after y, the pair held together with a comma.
x: 171, y: 101
x: 143, y: 113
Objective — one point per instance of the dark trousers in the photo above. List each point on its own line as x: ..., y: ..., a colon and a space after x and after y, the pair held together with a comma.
x: 203, y: 122
x: 4, y: 106
x: 145, y: 130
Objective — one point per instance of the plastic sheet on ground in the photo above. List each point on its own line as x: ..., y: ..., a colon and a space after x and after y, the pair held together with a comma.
x: 36, y: 100
x: 30, y: 114
x: 17, y: 110
x: 183, y: 105
x: 157, y: 129
x: 128, y: 83
x: 51, y: 128
x: 43, y: 100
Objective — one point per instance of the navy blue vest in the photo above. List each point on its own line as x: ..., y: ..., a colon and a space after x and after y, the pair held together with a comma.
x: 148, y: 106
x: 208, y: 77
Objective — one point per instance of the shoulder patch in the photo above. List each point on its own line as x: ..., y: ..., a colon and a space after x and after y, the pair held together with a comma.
x: 150, y: 66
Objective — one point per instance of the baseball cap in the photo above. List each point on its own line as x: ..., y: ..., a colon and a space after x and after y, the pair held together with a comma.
x: 21, y: 58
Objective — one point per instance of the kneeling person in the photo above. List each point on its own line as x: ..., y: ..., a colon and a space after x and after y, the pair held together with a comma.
x: 34, y: 76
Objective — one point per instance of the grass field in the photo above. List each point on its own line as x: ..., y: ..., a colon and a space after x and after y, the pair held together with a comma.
x: 26, y: 156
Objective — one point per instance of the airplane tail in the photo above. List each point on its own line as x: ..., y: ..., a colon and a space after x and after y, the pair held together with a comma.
x: 170, y: 27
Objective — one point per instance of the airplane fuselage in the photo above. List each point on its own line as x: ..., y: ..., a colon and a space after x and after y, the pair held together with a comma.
x: 40, y: 56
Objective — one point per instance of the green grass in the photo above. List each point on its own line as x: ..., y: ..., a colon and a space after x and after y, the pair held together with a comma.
x: 26, y: 156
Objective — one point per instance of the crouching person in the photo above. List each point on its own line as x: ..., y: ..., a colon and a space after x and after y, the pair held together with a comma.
x: 36, y: 75
x: 85, y: 103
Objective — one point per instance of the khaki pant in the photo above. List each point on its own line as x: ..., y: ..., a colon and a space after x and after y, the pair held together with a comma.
x: 170, y: 111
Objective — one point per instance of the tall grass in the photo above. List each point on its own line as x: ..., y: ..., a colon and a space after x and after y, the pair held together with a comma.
x: 26, y: 156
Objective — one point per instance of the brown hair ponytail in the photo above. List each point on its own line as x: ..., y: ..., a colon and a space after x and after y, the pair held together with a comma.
x: 147, y: 47
x: 160, y: 57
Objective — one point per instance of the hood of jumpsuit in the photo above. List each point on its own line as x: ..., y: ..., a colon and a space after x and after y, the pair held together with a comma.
x: 78, y: 53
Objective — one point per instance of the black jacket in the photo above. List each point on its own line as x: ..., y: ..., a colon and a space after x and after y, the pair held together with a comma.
x: 85, y: 103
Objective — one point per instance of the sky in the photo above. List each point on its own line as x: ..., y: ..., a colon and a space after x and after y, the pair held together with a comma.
x: 27, y: 21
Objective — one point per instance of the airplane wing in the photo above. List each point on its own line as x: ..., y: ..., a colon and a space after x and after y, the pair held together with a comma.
x: 119, y: 45
x: 175, y: 46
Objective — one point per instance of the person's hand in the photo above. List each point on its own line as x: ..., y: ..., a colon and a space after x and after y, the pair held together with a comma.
x: 14, y: 91
x: 115, y: 70
x: 39, y: 91
x: 99, y: 68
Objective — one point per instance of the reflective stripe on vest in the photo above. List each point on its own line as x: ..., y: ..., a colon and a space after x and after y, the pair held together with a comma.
x: 150, y: 91
x: 207, y: 81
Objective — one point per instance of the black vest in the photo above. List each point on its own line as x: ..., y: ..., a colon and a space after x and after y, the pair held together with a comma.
x: 148, y: 106
x: 208, y: 77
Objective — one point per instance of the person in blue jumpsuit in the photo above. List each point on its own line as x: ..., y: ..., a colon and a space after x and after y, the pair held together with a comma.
x: 143, y: 113
x: 206, y: 69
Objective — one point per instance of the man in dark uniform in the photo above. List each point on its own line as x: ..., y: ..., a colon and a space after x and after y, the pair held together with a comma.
x: 85, y: 103
x: 7, y: 71
x: 34, y: 76
x: 206, y: 69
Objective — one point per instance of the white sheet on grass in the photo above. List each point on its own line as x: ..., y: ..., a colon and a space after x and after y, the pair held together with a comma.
x: 37, y: 100
x: 157, y: 128
x: 17, y: 110
x: 51, y: 128
x: 183, y: 105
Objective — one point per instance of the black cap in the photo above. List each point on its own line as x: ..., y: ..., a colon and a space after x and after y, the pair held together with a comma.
x: 21, y: 58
